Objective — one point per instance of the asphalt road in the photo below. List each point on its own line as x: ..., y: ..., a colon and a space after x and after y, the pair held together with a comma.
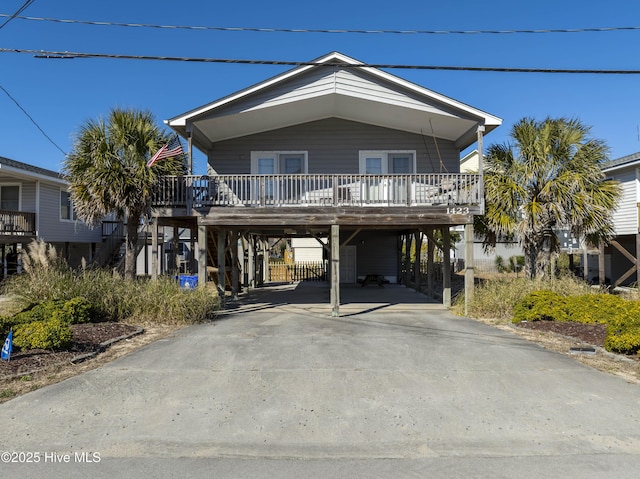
x: 395, y: 387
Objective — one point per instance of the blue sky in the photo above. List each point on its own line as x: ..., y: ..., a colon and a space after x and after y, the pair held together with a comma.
x: 61, y: 95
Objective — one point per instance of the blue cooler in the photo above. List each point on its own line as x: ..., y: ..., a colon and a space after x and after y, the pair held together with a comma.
x: 188, y: 281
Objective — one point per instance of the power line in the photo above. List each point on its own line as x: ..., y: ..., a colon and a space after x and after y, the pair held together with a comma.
x: 71, y: 55
x: 320, y: 30
x: 32, y: 120
x: 17, y: 12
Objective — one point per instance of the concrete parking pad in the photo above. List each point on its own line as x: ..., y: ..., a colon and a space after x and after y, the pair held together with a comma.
x: 395, y: 377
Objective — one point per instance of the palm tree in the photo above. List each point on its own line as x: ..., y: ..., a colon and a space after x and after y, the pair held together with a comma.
x: 549, y: 178
x: 107, y: 171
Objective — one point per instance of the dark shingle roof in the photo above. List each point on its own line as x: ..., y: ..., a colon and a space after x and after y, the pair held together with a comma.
x: 634, y: 157
x: 30, y: 168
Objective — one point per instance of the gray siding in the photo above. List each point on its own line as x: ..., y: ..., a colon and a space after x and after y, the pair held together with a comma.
x: 27, y: 192
x: 376, y: 253
x: 52, y: 229
x: 625, y: 218
x: 324, y: 81
x: 333, y: 146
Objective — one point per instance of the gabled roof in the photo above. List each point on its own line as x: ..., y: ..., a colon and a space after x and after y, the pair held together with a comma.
x: 31, y: 172
x: 333, y: 86
x: 624, y: 162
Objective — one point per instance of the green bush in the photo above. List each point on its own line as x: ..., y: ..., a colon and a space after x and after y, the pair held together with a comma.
x: 542, y: 306
x: 7, y: 323
x: 78, y: 309
x: 49, y: 334
x: 595, y: 308
x: 623, y: 330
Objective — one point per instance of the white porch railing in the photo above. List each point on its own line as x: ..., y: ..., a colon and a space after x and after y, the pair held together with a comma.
x: 318, y: 190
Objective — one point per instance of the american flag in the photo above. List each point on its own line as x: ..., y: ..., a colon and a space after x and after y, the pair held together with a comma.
x: 173, y: 148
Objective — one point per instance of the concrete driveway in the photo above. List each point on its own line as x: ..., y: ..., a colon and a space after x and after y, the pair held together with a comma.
x: 395, y: 377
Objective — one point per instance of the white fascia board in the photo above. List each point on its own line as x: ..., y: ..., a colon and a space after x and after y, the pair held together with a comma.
x: 623, y: 166
x: 181, y: 120
x: 30, y: 175
x: 489, y: 119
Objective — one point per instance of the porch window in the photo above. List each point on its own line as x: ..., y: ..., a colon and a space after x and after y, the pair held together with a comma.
x: 279, y: 162
x: 66, y: 207
x: 281, y: 189
x: 382, y: 189
x: 387, y: 162
x: 10, y: 197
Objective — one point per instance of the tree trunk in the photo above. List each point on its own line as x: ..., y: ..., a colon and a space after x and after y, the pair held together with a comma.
x: 130, y: 244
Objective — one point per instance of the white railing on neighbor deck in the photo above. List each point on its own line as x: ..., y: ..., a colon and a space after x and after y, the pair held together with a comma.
x: 318, y: 190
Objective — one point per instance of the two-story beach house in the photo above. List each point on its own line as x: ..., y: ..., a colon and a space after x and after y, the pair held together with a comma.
x: 333, y: 150
x: 618, y: 262
x: 35, y: 204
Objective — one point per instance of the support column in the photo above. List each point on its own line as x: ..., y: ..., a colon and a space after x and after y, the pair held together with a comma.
x: 417, y: 276
x: 638, y: 258
x: 221, y: 267
x: 335, y: 270
x: 154, y: 250
x: 189, y: 150
x: 601, y: 274
x: 176, y: 257
x: 193, y: 239
x: 468, y: 267
x: 585, y: 261
x: 407, y: 259
x: 235, y: 272
x: 431, y: 245
x: 202, y: 255
x: 446, y: 267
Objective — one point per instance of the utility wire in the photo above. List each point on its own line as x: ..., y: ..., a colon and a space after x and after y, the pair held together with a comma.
x: 17, y: 12
x: 320, y: 30
x: 32, y: 120
x: 71, y: 55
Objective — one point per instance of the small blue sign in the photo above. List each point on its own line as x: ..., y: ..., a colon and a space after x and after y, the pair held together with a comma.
x: 7, y: 347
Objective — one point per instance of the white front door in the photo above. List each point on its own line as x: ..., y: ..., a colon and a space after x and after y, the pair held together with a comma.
x: 348, y: 264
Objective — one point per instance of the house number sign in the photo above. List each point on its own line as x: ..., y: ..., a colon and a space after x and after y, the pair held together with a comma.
x: 458, y: 210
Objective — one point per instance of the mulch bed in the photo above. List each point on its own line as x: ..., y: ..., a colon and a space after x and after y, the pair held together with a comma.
x: 86, y: 339
x: 593, y: 334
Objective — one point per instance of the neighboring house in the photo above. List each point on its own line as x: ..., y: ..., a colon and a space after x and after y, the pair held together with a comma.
x: 331, y: 149
x: 484, y: 260
x: 620, y: 257
x: 308, y: 249
x: 470, y: 163
x: 35, y: 205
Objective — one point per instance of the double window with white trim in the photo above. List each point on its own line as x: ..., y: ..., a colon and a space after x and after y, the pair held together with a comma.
x: 279, y: 162
x: 387, y: 162
x: 279, y: 189
x: 380, y: 188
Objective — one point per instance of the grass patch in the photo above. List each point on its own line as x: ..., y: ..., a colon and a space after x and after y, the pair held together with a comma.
x: 496, y: 298
x: 47, y: 277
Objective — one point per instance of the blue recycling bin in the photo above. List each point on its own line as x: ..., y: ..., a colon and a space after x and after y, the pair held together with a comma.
x: 188, y: 281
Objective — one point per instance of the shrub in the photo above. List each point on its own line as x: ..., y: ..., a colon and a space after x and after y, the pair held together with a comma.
x: 105, y: 296
x: 78, y: 310
x: 595, y: 308
x: 497, y: 298
x: 542, y: 306
x: 49, y: 334
x: 623, y: 330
